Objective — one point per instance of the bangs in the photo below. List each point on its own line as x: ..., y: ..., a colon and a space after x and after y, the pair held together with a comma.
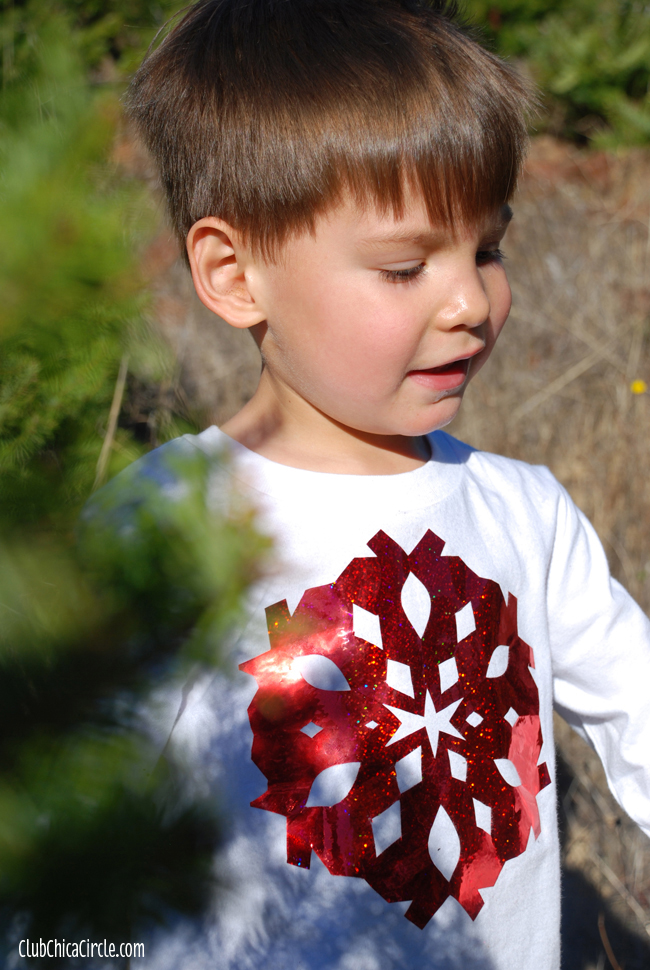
x: 279, y: 109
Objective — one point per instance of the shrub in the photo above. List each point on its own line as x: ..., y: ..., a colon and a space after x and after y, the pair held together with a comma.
x: 590, y: 60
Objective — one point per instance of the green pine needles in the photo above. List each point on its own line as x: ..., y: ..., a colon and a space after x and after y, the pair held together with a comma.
x: 104, y: 831
x: 72, y: 301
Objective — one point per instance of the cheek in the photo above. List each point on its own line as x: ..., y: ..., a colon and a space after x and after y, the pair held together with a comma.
x: 345, y: 316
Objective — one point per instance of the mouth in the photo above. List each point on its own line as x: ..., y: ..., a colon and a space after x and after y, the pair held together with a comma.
x: 445, y: 377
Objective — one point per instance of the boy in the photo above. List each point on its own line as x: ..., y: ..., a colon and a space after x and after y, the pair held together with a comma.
x: 340, y: 172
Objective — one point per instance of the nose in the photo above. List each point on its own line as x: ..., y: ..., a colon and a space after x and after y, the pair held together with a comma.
x: 467, y: 305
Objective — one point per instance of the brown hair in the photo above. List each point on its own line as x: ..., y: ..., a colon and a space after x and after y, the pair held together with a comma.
x: 262, y: 112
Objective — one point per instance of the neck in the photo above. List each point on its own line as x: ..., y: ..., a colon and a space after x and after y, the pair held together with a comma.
x: 286, y: 429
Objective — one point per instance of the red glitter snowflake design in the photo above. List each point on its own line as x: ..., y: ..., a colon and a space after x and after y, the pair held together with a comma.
x: 410, y: 761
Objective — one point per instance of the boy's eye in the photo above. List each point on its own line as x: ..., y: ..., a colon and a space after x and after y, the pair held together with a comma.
x: 402, y: 275
x: 484, y: 256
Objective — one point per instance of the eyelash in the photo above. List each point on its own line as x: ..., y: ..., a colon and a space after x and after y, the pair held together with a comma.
x: 402, y: 275
x: 490, y: 256
x: 411, y: 275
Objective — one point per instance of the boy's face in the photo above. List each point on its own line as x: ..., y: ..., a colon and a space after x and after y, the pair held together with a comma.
x: 379, y: 323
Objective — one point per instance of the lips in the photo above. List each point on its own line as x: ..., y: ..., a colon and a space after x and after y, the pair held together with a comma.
x: 445, y: 377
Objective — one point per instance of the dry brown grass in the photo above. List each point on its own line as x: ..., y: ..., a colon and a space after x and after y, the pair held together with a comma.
x: 557, y: 392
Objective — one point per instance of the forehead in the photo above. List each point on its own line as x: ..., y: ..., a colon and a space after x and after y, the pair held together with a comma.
x: 370, y: 227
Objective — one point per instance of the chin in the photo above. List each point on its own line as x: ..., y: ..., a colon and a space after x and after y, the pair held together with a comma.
x: 441, y: 414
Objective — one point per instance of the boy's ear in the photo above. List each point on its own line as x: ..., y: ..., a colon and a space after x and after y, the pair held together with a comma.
x: 218, y: 261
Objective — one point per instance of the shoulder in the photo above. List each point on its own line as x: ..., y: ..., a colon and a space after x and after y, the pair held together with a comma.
x: 156, y: 481
x: 493, y: 470
x: 508, y: 482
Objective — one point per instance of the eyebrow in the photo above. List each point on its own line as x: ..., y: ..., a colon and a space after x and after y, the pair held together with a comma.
x: 432, y: 238
x: 505, y: 217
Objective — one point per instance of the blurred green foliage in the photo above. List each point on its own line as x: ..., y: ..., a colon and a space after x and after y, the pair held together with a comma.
x: 100, y: 833
x: 590, y: 59
x: 102, y: 830
x: 71, y: 227
x: 108, y: 34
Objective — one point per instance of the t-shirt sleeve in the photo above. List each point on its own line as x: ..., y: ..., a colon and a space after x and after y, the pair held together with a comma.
x: 600, y: 642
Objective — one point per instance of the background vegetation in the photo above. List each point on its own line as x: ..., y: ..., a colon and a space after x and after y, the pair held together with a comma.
x: 72, y: 227
x: 590, y: 58
x: 105, y: 353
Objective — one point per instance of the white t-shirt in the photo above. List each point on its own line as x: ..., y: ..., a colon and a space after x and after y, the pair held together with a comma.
x: 384, y: 750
